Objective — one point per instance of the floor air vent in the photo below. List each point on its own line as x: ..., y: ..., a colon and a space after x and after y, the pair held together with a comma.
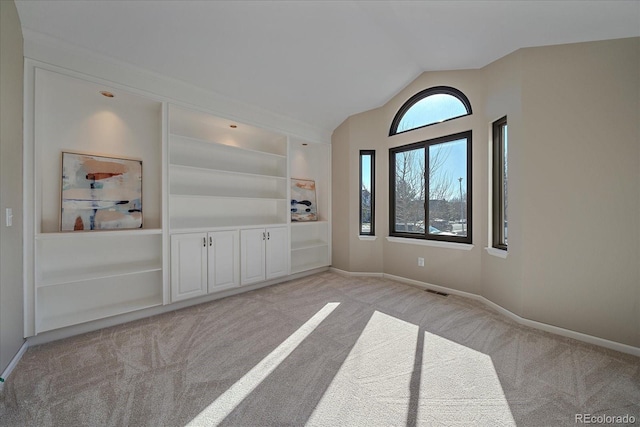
x: 442, y: 294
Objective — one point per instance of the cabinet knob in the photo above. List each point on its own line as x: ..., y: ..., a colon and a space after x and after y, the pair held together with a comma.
x: 210, y: 241
x: 268, y: 235
x: 204, y: 242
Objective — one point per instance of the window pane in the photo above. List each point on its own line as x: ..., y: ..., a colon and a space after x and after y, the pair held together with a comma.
x: 499, y: 184
x: 448, y: 188
x: 430, y: 194
x: 432, y: 109
x: 504, y: 183
x: 367, y: 192
x: 410, y: 191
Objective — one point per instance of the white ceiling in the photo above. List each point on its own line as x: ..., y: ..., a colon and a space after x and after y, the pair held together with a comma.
x: 319, y: 61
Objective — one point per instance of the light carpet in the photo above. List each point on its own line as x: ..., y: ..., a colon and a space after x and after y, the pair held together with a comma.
x: 324, y: 350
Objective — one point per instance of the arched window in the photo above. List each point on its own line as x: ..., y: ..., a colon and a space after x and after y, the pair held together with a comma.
x: 430, y: 106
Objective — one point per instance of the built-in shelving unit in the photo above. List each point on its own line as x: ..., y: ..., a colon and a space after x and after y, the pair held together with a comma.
x: 224, y: 176
x: 310, y: 241
x: 215, y: 203
x: 89, y: 275
x: 93, y: 275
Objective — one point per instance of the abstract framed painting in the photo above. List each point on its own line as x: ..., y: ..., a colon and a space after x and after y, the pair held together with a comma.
x: 100, y: 193
x: 303, y: 200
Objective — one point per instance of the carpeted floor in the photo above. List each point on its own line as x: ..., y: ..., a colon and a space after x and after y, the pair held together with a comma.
x: 325, y: 350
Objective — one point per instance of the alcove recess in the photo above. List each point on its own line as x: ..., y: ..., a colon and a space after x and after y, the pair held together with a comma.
x: 311, y: 241
x: 79, y: 276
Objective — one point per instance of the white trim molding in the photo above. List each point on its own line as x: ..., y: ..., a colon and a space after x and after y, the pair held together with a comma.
x: 13, y: 364
x: 434, y: 243
x: 355, y: 274
x: 497, y: 252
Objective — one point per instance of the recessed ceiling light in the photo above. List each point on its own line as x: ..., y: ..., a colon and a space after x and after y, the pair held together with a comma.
x: 106, y: 93
x: 233, y: 126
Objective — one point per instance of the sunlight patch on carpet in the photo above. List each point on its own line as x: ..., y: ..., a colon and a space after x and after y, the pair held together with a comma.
x: 373, y: 382
x: 460, y: 386
x: 223, y: 405
x: 394, y: 376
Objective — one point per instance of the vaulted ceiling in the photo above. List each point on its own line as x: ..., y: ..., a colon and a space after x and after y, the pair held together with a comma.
x: 319, y: 61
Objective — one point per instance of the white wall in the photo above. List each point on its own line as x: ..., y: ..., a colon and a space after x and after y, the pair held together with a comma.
x: 11, y: 83
x: 72, y: 116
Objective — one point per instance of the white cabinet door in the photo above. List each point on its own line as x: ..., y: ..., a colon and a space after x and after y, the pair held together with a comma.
x: 277, y: 252
x: 224, y: 267
x: 188, y: 265
x: 252, y: 255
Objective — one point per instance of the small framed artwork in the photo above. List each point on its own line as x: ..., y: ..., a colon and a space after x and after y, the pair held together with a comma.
x: 303, y: 200
x: 100, y: 193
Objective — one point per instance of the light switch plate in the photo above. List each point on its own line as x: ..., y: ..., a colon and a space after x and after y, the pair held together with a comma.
x: 9, y: 217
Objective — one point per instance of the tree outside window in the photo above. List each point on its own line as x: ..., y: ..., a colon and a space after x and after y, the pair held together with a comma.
x: 431, y: 189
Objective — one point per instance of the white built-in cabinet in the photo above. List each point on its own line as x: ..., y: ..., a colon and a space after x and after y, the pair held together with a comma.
x: 216, y: 204
x: 203, y: 262
x: 263, y: 254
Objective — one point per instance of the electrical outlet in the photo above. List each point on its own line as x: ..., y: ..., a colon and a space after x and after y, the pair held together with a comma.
x: 420, y: 262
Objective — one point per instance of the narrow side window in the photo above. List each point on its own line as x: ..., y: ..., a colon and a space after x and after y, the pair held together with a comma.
x: 499, y: 184
x: 367, y: 192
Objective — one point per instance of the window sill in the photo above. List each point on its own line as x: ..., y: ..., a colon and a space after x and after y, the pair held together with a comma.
x: 370, y: 238
x: 497, y: 252
x: 433, y: 243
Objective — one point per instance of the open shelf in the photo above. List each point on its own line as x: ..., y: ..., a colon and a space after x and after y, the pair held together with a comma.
x: 207, y: 128
x: 198, y: 182
x: 75, y: 274
x: 83, y: 301
x: 177, y: 169
x: 308, y: 244
x: 233, y: 149
x: 212, y: 157
x: 221, y: 176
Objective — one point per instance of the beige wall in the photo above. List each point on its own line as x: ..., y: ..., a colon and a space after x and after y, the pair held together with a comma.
x: 502, y: 278
x: 340, y: 164
x: 581, y: 145
x: 11, y: 83
x: 573, y: 144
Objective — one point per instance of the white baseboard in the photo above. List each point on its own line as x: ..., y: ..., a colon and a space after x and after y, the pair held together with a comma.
x: 13, y: 364
x: 356, y: 274
x: 613, y: 345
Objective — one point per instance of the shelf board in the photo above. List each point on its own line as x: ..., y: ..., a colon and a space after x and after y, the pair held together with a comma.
x: 219, y: 145
x: 307, y: 223
x: 308, y: 244
x: 189, y: 225
x: 204, y: 196
x: 224, y: 171
x: 103, y: 272
x: 82, y: 316
x: 97, y: 234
